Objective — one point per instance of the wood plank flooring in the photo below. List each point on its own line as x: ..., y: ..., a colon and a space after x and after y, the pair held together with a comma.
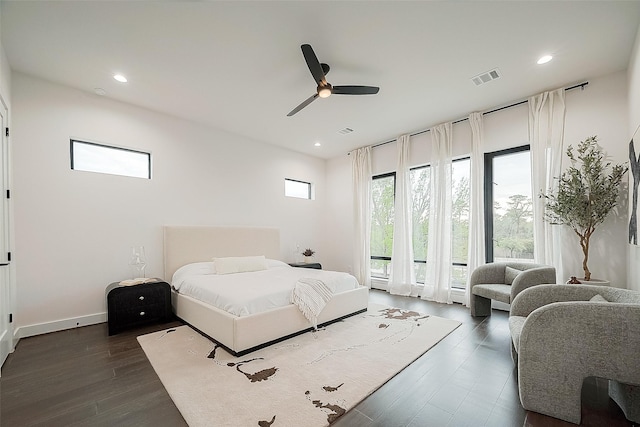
x: 83, y: 377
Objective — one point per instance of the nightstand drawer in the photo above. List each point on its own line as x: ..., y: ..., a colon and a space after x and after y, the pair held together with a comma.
x: 140, y: 296
x: 130, y: 315
x: 137, y: 305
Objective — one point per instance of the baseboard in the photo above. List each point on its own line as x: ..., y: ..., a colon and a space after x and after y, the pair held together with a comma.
x: 58, y: 325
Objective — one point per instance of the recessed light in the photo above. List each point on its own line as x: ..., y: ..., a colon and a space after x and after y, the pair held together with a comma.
x: 317, y: 144
x: 544, y: 59
x: 120, y: 78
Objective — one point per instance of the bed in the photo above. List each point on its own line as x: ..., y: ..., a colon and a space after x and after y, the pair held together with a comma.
x: 241, y: 334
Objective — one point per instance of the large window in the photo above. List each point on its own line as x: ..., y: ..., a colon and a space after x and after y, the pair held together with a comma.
x: 508, y: 205
x: 382, y: 214
x: 92, y: 157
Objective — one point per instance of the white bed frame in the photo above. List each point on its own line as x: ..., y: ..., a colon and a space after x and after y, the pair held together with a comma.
x: 241, y: 335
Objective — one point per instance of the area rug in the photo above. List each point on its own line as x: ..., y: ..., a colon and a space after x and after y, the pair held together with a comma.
x: 309, y: 380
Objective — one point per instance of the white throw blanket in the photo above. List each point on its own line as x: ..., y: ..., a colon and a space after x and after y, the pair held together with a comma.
x: 310, y: 296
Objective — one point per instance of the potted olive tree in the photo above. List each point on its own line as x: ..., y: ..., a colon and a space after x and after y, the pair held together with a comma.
x: 587, y: 192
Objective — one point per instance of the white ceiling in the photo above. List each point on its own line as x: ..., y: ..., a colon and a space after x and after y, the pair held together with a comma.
x: 238, y: 66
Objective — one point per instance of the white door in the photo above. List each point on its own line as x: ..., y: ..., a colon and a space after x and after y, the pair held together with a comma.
x: 6, y: 328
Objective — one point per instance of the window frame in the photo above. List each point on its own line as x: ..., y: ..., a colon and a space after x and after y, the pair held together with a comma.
x: 308, y: 184
x: 72, y: 142
x: 379, y: 257
x: 462, y: 264
x: 420, y: 261
x: 389, y: 174
x: 488, y: 195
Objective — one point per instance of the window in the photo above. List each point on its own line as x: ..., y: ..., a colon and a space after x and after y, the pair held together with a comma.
x: 421, y: 191
x: 460, y: 194
x: 298, y: 189
x: 383, y: 193
x: 92, y: 157
x: 382, y: 215
x: 508, y: 205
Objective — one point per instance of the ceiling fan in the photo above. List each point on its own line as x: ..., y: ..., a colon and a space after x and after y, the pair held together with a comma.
x: 324, y: 90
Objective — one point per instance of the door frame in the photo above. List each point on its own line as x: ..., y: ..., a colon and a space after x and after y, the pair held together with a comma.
x: 7, y: 273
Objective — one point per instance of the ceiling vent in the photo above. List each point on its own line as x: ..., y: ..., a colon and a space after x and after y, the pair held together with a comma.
x: 345, y: 131
x: 486, y: 77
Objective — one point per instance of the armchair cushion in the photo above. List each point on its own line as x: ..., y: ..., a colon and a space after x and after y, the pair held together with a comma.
x: 510, y: 274
x: 497, y: 292
x: 515, y: 327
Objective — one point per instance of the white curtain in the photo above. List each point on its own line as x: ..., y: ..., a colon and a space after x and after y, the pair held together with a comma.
x: 402, y: 278
x: 476, y: 254
x: 546, y: 136
x: 361, y: 177
x: 437, y: 285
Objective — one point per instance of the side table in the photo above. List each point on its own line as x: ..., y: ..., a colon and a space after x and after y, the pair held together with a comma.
x: 137, y: 305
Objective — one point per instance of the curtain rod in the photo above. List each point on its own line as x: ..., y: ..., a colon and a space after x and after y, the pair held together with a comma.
x: 579, y: 85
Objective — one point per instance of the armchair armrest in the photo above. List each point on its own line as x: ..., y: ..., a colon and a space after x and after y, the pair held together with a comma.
x: 537, y: 296
x: 563, y: 343
x: 487, y: 273
x: 532, y: 277
x: 582, y: 339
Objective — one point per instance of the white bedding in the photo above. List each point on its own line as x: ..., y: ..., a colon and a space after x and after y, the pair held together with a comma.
x: 244, y: 294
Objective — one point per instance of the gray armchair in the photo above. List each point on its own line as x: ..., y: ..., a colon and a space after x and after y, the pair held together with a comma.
x: 562, y: 334
x: 502, y: 281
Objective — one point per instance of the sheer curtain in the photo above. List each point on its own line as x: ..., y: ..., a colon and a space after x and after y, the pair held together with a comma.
x: 546, y: 136
x: 361, y: 177
x: 402, y: 278
x: 437, y: 285
x: 476, y: 254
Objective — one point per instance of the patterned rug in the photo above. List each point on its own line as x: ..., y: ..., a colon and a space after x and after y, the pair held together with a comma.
x: 309, y: 380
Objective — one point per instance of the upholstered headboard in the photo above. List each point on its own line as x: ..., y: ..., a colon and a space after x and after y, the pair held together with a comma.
x: 187, y: 244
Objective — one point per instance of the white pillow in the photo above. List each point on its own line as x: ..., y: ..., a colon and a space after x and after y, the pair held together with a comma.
x: 243, y: 264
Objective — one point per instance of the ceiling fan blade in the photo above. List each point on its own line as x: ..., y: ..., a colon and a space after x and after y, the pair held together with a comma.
x: 312, y: 62
x: 355, y: 90
x: 304, y: 104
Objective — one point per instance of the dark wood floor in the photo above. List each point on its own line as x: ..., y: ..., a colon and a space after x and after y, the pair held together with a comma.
x: 83, y: 377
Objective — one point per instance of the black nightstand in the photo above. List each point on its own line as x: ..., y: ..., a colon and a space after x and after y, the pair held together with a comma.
x: 315, y: 265
x: 137, y: 305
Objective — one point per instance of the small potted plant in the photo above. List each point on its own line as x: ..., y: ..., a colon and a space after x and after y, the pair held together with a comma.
x: 308, y: 253
x: 587, y: 192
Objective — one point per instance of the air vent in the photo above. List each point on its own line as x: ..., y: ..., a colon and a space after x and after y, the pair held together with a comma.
x: 486, y: 77
x: 345, y: 131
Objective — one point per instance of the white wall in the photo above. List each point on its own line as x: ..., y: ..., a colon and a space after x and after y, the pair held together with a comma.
x: 633, y: 74
x: 74, y: 229
x: 600, y: 109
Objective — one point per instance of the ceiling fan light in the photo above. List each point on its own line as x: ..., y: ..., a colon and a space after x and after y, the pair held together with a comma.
x: 324, y: 92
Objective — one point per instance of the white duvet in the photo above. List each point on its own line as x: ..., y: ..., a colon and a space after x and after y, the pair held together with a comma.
x: 243, y: 294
